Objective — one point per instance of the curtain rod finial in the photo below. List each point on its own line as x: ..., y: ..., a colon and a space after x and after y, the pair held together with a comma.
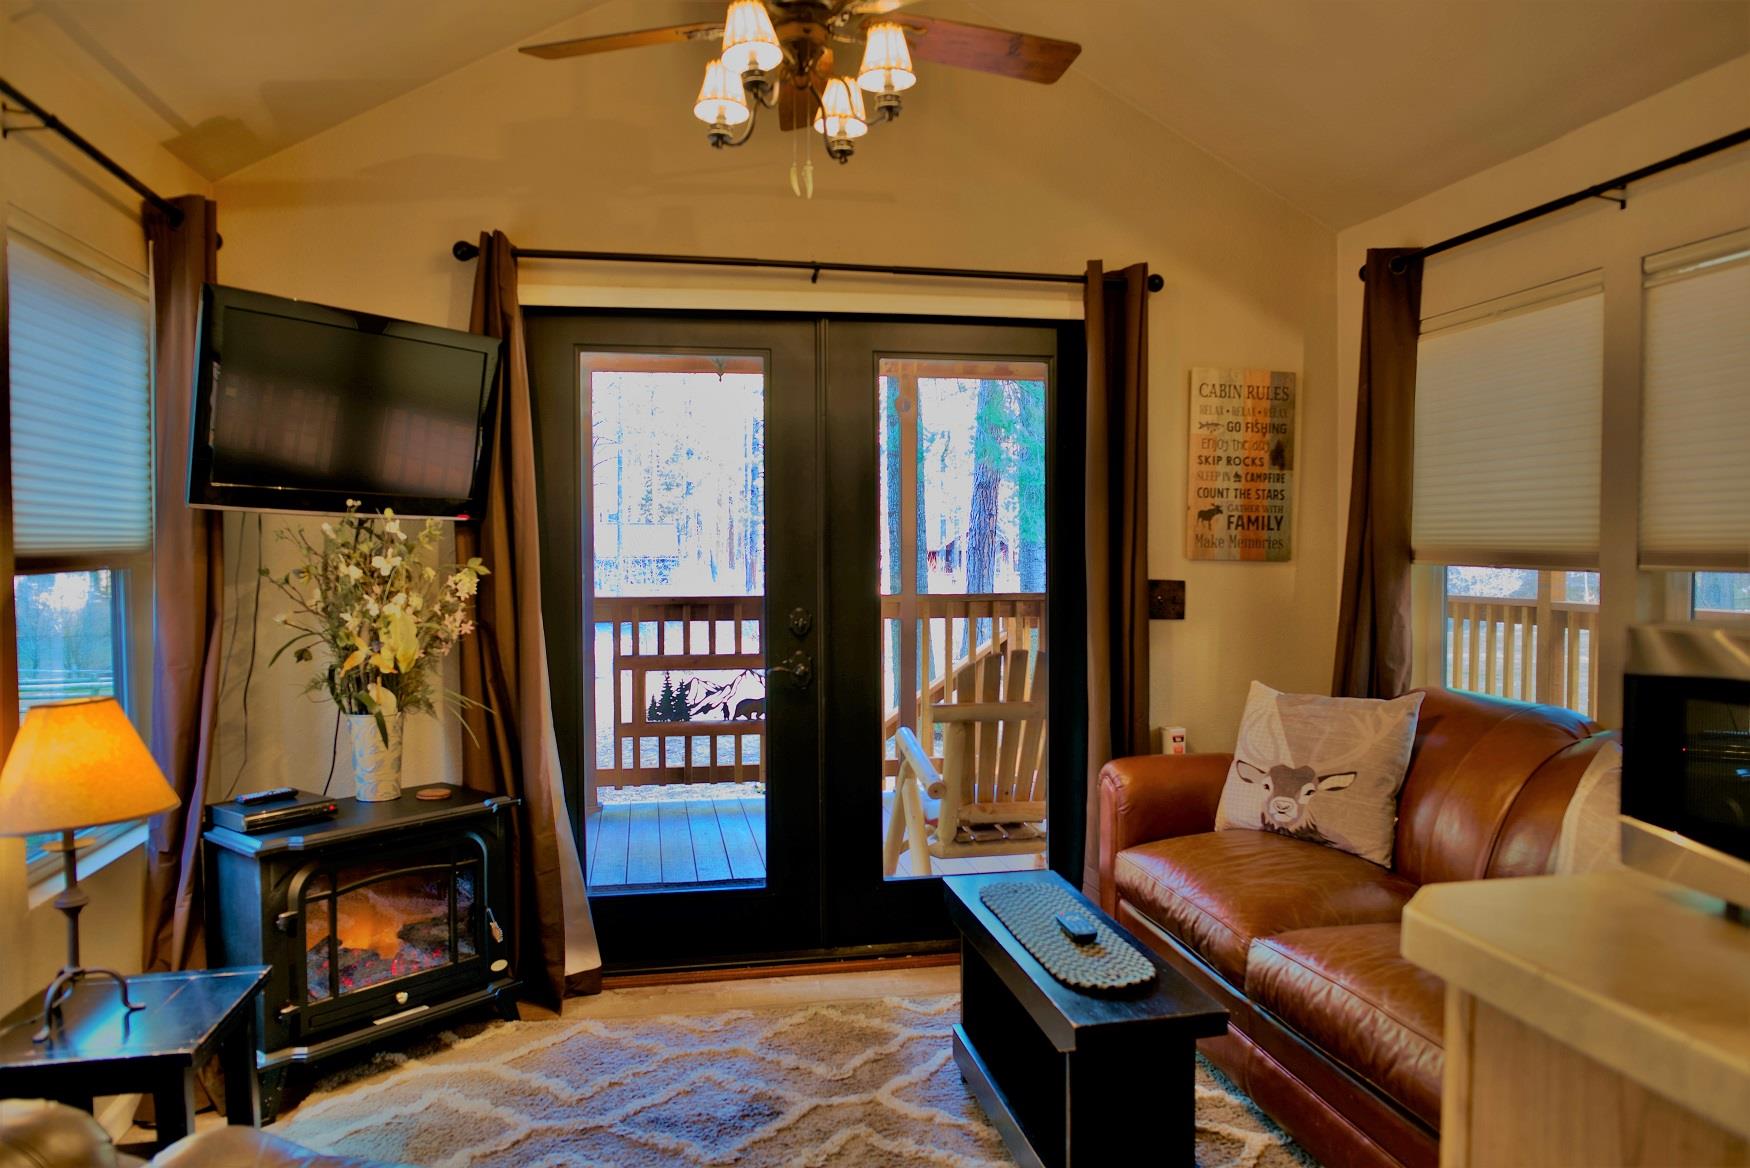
x: 1156, y: 282
x: 464, y: 251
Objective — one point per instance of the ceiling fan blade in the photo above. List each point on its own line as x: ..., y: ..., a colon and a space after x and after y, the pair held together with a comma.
x: 584, y: 46
x: 875, y: 7
x: 989, y: 50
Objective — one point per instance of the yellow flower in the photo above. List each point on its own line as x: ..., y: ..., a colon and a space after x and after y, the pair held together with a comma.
x: 404, y: 639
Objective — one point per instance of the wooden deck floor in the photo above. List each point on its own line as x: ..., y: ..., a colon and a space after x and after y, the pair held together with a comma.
x: 694, y: 842
x: 707, y: 841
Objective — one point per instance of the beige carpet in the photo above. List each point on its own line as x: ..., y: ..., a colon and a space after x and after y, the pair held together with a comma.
x: 867, y: 1082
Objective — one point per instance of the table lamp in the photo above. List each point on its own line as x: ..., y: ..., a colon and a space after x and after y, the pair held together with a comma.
x: 77, y: 764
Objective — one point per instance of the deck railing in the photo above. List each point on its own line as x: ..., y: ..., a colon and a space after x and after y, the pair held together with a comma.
x: 1539, y: 650
x: 681, y: 636
x: 952, y: 634
x: 688, y: 635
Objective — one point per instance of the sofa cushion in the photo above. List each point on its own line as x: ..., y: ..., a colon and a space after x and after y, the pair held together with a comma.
x: 1349, y: 992
x: 1218, y: 890
x: 1322, y: 769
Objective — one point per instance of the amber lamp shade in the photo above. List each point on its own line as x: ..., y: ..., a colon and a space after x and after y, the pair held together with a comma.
x: 77, y: 764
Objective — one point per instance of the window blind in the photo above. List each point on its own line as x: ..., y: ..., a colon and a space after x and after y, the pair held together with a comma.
x: 81, y: 409
x: 1508, y: 430
x: 1695, y: 436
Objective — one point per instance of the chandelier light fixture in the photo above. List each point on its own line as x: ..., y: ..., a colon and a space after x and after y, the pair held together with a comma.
x: 777, y: 56
x: 789, y: 68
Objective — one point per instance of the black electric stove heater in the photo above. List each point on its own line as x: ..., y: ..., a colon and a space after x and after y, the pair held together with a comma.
x: 381, y: 919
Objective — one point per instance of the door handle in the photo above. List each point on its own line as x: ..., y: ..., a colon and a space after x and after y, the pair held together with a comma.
x: 800, y: 667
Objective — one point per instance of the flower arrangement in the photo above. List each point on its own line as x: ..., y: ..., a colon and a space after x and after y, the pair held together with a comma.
x: 372, y: 599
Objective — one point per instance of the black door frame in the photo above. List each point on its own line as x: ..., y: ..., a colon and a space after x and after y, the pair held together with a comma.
x: 702, y: 921
x: 830, y: 899
x: 856, y: 896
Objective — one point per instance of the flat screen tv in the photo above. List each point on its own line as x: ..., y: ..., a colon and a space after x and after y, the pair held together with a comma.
x: 300, y: 407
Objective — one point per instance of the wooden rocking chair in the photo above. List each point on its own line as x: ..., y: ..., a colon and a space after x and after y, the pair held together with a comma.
x: 989, y: 797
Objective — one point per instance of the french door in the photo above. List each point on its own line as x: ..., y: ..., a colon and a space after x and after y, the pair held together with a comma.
x: 773, y: 546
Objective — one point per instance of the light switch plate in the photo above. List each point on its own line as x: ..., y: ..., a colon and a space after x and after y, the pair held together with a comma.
x: 1166, y: 600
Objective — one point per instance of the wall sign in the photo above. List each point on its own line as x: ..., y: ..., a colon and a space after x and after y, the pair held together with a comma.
x: 1240, y: 468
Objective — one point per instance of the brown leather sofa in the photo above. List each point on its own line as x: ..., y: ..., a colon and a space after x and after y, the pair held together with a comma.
x: 1332, y: 1032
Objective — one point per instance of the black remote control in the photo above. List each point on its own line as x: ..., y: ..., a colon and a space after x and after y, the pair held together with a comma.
x: 1077, y: 928
x: 272, y: 795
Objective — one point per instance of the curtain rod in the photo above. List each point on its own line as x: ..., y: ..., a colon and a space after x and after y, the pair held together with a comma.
x: 55, y: 125
x: 465, y: 251
x: 1595, y: 191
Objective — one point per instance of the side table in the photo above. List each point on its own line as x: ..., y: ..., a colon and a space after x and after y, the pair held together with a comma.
x: 100, y: 1048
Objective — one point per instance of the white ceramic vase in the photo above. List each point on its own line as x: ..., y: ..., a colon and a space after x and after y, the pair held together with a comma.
x: 376, y: 765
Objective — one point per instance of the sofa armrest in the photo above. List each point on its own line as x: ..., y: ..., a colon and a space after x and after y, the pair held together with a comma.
x: 1151, y: 797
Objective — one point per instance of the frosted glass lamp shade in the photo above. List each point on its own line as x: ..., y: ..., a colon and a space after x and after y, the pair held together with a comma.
x: 749, y: 40
x: 841, y: 111
x: 79, y: 764
x: 886, y: 60
x: 721, y: 97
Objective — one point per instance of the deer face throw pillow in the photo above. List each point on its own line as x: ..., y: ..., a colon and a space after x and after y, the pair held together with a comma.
x: 1324, y: 770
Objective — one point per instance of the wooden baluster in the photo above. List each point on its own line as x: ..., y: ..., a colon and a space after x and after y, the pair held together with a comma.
x: 1476, y: 636
x: 1008, y: 759
x: 1572, y: 640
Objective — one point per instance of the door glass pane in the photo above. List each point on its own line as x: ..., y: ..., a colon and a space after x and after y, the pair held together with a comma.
x: 675, y: 535
x: 962, y: 578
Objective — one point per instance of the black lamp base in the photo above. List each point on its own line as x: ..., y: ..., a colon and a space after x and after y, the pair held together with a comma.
x: 71, y: 900
x: 62, y: 988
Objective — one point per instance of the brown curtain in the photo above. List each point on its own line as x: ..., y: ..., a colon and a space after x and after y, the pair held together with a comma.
x: 511, y: 747
x: 1373, y: 623
x: 187, y: 566
x: 1116, y: 309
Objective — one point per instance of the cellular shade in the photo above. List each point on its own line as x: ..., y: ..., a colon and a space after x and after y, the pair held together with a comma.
x: 1508, y: 427
x: 1695, y: 436
x: 81, y: 408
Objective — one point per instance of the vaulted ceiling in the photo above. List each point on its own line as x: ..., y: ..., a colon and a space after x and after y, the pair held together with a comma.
x: 1346, y: 108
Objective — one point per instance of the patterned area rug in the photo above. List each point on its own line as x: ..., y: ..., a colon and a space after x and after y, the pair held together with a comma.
x: 867, y: 1082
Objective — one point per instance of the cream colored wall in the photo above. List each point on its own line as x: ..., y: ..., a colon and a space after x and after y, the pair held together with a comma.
x: 42, y: 178
x: 1694, y: 202
x: 980, y: 172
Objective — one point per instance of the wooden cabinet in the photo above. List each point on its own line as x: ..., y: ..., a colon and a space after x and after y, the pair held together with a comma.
x: 1591, y: 1020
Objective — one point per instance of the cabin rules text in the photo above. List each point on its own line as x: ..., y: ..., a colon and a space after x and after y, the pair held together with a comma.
x: 1240, y: 486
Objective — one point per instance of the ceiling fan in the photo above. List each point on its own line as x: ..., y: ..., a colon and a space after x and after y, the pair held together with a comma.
x: 779, y: 54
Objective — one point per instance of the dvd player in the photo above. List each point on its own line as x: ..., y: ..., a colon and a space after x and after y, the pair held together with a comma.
x: 254, y: 821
